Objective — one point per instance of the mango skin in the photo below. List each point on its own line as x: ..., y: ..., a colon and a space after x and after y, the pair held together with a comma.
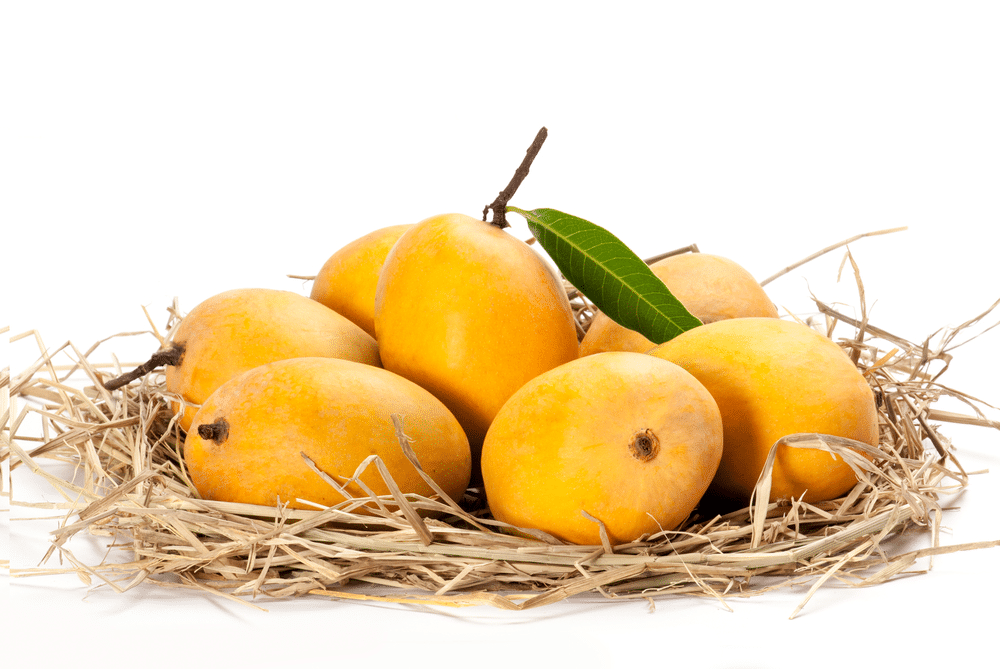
x: 772, y: 378
x: 346, y: 282
x: 338, y: 413
x: 711, y: 287
x: 240, y: 329
x: 560, y: 446
x: 471, y: 313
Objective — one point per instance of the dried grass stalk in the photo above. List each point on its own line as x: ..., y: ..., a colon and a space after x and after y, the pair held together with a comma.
x: 130, y: 486
x: 4, y: 445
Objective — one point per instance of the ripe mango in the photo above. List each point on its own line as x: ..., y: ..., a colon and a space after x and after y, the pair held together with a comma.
x: 630, y: 439
x: 237, y: 330
x: 246, y: 442
x: 346, y: 282
x: 772, y: 378
x: 470, y: 313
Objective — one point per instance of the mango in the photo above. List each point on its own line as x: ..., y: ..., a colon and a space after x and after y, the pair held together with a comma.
x: 470, y: 313
x: 247, y: 440
x: 346, y: 282
x: 630, y: 440
x: 772, y: 378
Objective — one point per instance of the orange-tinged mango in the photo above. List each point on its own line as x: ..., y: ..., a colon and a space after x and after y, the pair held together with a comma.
x: 247, y: 441
x: 240, y: 329
x: 711, y: 287
x: 346, y: 282
x: 470, y: 313
x: 772, y: 378
x: 629, y: 439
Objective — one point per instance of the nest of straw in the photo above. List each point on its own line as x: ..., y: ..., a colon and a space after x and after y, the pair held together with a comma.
x: 129, y: 485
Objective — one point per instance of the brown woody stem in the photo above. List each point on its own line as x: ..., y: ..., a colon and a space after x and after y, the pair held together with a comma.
x: 217, y: 431
x: 168, y: 356
x: 499, y: 205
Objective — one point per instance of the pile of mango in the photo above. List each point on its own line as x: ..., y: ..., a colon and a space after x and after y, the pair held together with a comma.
x: 466, y: 336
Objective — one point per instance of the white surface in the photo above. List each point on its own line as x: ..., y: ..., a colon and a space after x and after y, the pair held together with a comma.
x: 181, y: 149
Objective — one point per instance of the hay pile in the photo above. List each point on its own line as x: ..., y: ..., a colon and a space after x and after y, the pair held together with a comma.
x: 130, y: 486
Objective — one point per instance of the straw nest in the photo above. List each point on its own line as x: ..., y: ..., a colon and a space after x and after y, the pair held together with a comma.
x: 129, y: 484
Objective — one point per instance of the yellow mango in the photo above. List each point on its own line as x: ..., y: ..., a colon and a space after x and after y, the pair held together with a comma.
x: 470, y: 313
x: 772, y: 378
x: 247, y: 440
x: 631, y: 440
x: 346, y: 282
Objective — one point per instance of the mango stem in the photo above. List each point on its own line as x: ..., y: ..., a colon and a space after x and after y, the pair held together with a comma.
x: 217, y: 431
x: 167, y: 356
x: 499, y: 205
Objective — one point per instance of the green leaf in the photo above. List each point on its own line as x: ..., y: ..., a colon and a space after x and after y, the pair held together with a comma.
x: 609, y: 274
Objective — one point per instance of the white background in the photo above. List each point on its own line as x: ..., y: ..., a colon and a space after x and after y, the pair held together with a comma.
x: 154, y: 150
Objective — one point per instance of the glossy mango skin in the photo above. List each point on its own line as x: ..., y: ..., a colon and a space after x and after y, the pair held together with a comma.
x: 772, y: 378
x: 471, y: 313
x: 240, y: 329
x: 711, y: 287
x: 335, y: 411
x: 561, y: 445
x: 346, y: 282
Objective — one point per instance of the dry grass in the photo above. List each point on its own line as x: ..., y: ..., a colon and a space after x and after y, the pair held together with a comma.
x: 4, y: 443
x: 130, y: 486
